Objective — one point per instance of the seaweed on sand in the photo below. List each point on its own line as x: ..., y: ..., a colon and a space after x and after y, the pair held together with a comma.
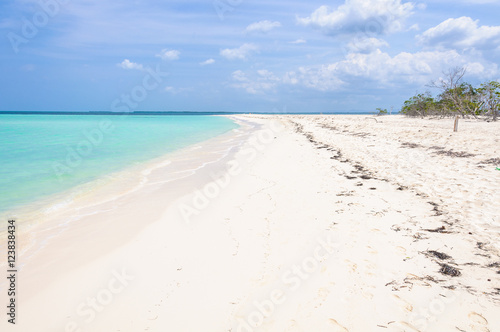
x: 449, y: 270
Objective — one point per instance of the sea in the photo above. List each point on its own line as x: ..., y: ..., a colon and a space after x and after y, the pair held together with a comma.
x: 42, y: 155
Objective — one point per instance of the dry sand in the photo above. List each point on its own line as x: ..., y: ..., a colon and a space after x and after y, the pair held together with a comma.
x: 304, y: 223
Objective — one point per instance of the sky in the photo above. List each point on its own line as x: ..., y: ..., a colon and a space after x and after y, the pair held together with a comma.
x: 238, y: 55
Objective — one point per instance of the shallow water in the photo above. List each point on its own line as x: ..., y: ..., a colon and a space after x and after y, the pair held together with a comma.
x: 42, y: 155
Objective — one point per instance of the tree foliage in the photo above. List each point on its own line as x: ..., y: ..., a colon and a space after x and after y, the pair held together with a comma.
x: 456, y: 98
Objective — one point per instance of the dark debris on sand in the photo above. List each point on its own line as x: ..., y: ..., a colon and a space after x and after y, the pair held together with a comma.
x: 492, y: 161
x: 481, y: 245
x: 410, y: 145
x: 453, y: 154
x: 438, y: 254
x: 441, y: 229
x: 436, y: 209
x: 449, y: 270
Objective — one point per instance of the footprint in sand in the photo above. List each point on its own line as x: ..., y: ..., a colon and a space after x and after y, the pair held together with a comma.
x: 403, y: 304
x: 353, y: 266
x: 323, y: 294
x: 337, y: 327
x: 478, y: 322
x: 371, y: 250
x: 401, y: 251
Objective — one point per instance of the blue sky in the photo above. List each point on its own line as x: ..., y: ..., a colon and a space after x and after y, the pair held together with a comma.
x: 238, y: 55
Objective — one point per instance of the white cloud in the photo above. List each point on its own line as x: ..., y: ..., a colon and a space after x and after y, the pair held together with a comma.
x: 371, y: 17
x: 461, y: 33
x: 267, y: 75
x: 321, y: 78
x: 126, y: 64
x: 402, y: 69
x: 175, y: 91
x: 239, y: 76
x: 207, y: 62
x: 240, y: 53
x: 414, y: 27
x: 263, y: 26
x: 376, y: 69
x: 299, y: 41
x: 366, y: 45
x: 166, y: 54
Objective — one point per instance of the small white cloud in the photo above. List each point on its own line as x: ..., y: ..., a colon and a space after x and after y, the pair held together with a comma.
x: 240, y: 53
x: 260, y: 83
x: 127, y: 64
x: 263, y: 26
x: 207, y: 62
x: 290, y: 78
x: 174, y: 91
x: 366, y: 45
x: 166, y: 54
x: 239, y: 76
x: 267, y: 75
x: 414, y: 27
x: 299, y: 41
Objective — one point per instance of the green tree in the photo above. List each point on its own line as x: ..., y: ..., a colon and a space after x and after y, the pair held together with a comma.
x: 421, y: 104
x: 457, y: 96
x: 490, y: 95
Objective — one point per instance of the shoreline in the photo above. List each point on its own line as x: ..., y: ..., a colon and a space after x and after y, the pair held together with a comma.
x: 311, y: 222
x: 50, y: 217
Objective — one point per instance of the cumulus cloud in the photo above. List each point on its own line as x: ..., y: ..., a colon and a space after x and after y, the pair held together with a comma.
x: 127, y: 64
x: 166, y: 54
x: 263, y: 26
x: 461, y: 33
x: 207, y: 62
x: 403, y: 68
x: 240, y: 53
x: 372, y: 17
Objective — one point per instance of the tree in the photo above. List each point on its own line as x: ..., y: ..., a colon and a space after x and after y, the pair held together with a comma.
x: 421, y: 104
x: 490, y: 96
x: 382, y: 111
x: 452, y: 90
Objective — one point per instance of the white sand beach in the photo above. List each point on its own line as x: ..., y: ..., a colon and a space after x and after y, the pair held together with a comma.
x: 290, y: 223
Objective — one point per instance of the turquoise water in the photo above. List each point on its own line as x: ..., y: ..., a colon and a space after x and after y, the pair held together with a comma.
x: 42, y: 155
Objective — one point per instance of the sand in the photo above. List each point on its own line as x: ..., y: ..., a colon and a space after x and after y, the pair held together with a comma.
x: 291, y: 223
